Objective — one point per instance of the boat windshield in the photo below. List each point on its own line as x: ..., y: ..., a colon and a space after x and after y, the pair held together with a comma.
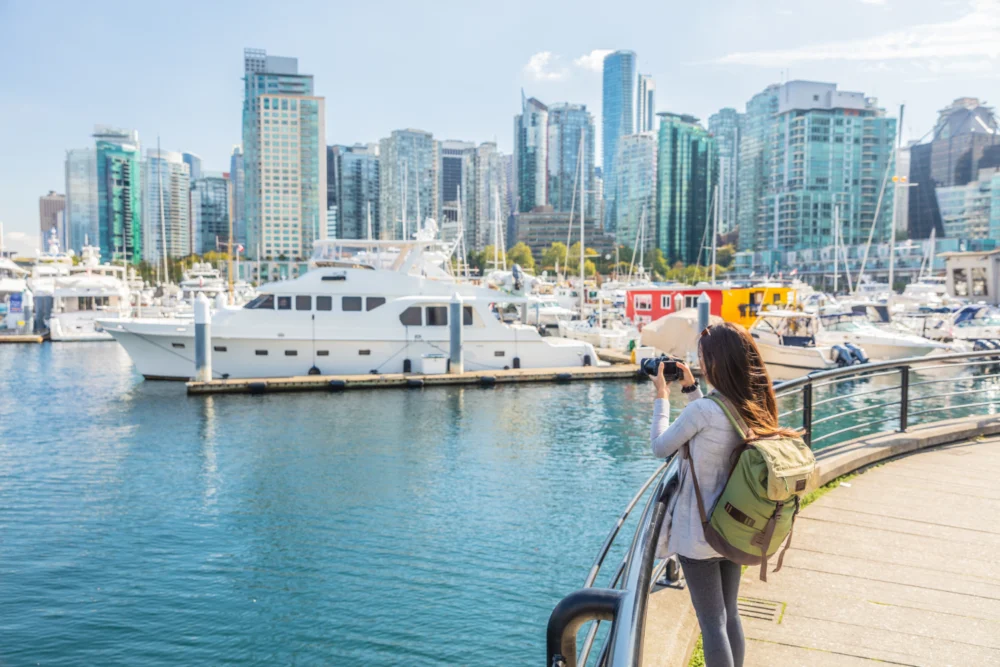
x: 789, y: 326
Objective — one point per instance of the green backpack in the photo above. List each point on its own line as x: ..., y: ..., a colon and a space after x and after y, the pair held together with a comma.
x: 751, y: 518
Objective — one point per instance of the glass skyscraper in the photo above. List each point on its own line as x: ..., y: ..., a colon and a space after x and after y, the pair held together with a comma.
x: 456, y: 171
x: 636, y: 188
x: 210, y: 212
x: 725, y: 127
x: 355, y: 189
x: 531, y: 128
x: 194, y: 165
x: 618, y: 115
x: 645, y: 115
x: 686, y: 174
x: 119, y: 195
x: 167, y: 227
x: 566, y: 123
x: 408, y: 182
x: 81, y: 198
x: 284, y: 148
x: 754, y: 162
x: 237, y: 179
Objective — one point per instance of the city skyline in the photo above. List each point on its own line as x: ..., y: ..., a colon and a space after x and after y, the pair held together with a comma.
x: 194, y: 106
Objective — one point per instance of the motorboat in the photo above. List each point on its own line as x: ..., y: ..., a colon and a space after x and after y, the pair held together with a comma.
x: 790, y: 345
x: 14, y: 296
x: 363, y: 307
x: 606, y: 334
x: 838, y: 327
x: 91, y: 290
x: 545, y: 311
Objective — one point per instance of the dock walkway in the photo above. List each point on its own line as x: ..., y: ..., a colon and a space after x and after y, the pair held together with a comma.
x: 897, y: 566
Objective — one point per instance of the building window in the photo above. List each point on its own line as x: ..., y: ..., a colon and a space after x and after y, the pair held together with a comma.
x: 411, y: 317
x: 643, y: 301
x: 690, y: 301
x: 324, y: 303
x: 303, y: 302
x: 960, y: 282
x: 665, y: 301
x: 351, y: 304
x: 374, y: 302
x: 979, y: 282
x: 437, y: 316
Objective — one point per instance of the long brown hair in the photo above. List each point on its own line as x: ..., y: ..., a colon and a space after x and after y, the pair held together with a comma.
x: 733, y: 365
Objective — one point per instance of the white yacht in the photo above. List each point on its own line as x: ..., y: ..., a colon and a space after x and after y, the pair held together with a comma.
x: 202, y: 278
x: 612, y: 335
x: 837, y: 328
x: 91, y: 290
x: 543, y: 310
x: 789, y: 344
x: 363, y: 307
x: 14, y: 295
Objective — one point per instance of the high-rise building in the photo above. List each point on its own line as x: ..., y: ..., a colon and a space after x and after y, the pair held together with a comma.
x: 194, y: 165
x: 531, y: 129
x: 81, y: 198
x: 618, y: 115
x: 645, y: 116
x: 166, y: 205
x: 210, y: 196
x: 754, y: 160
x: 967, y: 211
x: 488, y: 198
x: 355, y: 190
x: 119, y: 195
x: 456, y: 172
x: 830, y: 151
x: 686, y: 174
x: 965, y: 131
x: 636, y: 189
x: 52, y: 216
x: 567, y: 122
x: 408, y: 182
x: 237, y: 186
x: 284, y: 144
x: 725, y: 127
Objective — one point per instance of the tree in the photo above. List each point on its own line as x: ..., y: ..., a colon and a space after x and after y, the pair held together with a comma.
x: 724, y: 256
x: 521, y: 254
x: 656, y: 264
x: 556, y: 253
x: 486, y: 260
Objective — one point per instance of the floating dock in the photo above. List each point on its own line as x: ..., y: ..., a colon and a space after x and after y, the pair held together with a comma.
x: 413, y: 380
x: 21, y: 338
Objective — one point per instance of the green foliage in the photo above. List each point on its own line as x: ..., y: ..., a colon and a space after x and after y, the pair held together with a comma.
x: 725, y: 255
x: 521, y: 254
x: 557, y: 252
x: 698, y: 655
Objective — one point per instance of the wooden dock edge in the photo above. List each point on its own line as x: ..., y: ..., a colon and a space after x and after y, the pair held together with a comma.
x: 412, y: 380
x: 22, y: 338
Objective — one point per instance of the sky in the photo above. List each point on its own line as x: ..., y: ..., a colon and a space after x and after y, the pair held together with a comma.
x: 453, y: 68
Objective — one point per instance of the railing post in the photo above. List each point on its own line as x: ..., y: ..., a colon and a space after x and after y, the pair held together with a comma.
x: 807, y: 413
x: 904, y: 398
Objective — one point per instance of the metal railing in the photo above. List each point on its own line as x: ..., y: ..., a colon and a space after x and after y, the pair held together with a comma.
x: 815, y: 403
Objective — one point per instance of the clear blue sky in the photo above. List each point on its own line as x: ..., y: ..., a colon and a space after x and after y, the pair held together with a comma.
x: 453, y: 68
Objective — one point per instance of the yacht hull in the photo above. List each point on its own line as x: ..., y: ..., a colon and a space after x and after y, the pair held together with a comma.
x: 76, y: 330
x: 786, y: 362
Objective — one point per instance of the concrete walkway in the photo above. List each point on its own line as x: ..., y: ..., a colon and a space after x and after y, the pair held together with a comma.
x: 902, y: 567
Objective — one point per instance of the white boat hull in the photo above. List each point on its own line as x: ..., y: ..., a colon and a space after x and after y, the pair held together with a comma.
x: 76, y: 328
x: 787, y: 362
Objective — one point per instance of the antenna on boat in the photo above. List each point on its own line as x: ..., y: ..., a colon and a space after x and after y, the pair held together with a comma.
x: 163, y: 224
x: 878, y: 208
x: 715, y: 230
x: 369, y: 219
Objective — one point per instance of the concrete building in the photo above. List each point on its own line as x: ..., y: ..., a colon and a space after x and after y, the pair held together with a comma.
x: 531, y: 128
x: 725, y: 127
x: 409, y: 190
x: 687, y: 171
x: 82, y: 220
x: 566, y: 124
x: 284, y: 144
x: 754, y: 162
x: 966, y: 132
x: 618, y: 113
x: 237, y: 186
x: 972, y: 211
x: 489, y: 202
x: 353, y: 193
x: 52, y: 216
x: 973, y: 275
x: 456, y: 170
x: 210, y: 207
x: 645, y: 115
x: 119, y: 195
x: 166, y: 206
x: 542, y: 227
x: 636, y: 189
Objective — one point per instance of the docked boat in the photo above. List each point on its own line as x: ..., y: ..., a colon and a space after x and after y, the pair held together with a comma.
x: 790, y: 345
x: 14, y: 296
x: 363, y: 307
x: 848, y: 326
x: 610, y: 335
x: 91, y: 291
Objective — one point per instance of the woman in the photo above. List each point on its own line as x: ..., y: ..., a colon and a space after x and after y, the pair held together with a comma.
x: 733, y: 366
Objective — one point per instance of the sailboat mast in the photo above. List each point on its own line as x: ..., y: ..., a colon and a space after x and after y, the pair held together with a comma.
x: 163, y: 224
x: 715, y: 232
x: 583, y: 218
x: 836, y: 245
x: 898, y: 183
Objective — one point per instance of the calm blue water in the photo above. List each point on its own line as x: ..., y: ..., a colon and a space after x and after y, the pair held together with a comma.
x: 425, y: 527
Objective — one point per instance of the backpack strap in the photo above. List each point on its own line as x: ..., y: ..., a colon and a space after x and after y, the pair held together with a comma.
x: 788, y: 542
x: 686, y: 453
x: 767, y: 537
x: 732, y: 414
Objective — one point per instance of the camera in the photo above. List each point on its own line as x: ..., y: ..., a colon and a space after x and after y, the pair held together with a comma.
x: 670, y: 370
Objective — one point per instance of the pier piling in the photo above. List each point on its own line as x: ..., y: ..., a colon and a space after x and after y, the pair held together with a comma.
x: 202, y: 339
x: 704, y: 310
x: 455, y: 320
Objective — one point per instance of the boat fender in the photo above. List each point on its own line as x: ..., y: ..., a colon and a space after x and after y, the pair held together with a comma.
x: 586, y: 360
x: 314, y: 371
x: 858, y: 353
x: 257, y: 388
x: 563, y: 377
x: 517, y: 362
x: 487, y: 381
x: 842, y: 356
x: 414, y: 383
x: 337, y: 385
x: 407, y: 366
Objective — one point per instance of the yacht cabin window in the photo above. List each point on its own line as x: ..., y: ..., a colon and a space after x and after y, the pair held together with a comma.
x: 284, y: 303
x: 374, y: 302
x: 411, y: 317
x: 437, y: 316
x: 303, y: 302
x: 262, y: 302
x: 467, y: 316
x: 324, y: 303
x: 351, y: 304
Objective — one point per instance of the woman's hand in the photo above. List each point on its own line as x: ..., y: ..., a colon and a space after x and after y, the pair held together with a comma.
x: 660, y: 383
x: 687, y: 378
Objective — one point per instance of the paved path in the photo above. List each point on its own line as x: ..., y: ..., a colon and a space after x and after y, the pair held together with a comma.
x: 902, y: 567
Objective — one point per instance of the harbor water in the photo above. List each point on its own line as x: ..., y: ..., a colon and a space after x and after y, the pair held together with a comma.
x: 139, y: 525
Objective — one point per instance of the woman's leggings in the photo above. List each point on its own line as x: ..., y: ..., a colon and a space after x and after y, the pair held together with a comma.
x: 714, y: 586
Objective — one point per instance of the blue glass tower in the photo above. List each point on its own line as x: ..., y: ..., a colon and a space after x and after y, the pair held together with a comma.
x: 619, y: 116
x: 566, y: 122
